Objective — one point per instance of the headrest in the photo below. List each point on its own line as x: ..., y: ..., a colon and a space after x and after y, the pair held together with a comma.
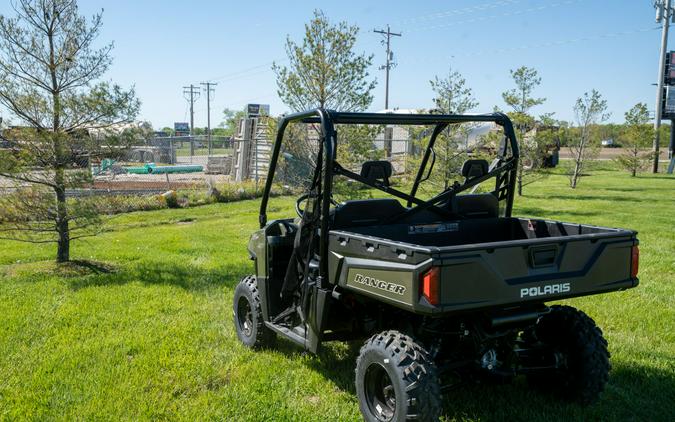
x: 474, y: 168
x: 377, y: 171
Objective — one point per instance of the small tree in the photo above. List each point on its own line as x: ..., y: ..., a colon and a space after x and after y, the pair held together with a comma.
x: 545, y: 142
x: 638, y: 136
x: 169, y: 131
x: 48, y: 72
x: 231, y: 120
x: 589, y: 110
x: 521, y: 102
x: 453, y: 96
x: 324, y: 71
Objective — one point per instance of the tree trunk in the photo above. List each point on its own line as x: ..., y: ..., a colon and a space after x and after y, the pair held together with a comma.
x: 579, y: 159
x: 577, y: 170
x: 63, y: 242
x: 63, y: 249
x: 521, y: 167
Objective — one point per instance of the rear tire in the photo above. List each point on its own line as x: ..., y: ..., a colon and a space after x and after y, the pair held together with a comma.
x: 248, y: 318
x: 582, y: 350
x: 396, y: 380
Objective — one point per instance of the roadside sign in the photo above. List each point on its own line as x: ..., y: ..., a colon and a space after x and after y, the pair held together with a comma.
x: 668, y: 104
x: 254, y: 110
x: 181, y: 128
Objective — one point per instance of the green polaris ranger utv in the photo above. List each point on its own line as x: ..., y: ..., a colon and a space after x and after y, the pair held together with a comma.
x: 443, y: 287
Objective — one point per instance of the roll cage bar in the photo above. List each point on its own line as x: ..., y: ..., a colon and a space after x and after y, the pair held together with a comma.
x: 327, y: 119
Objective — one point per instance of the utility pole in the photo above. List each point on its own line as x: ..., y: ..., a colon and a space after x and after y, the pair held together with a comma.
x: 389, y: 64
x: 663, y: 15
x: 208, y: 88
x: 191, y: 94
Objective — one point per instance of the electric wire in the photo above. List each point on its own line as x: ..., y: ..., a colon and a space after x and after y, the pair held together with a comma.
x: 456, y: 12
x: 490, y: 17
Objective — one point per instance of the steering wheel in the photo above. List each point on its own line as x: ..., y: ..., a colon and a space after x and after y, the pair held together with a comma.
x: 302, y: 198
x: 298, y: 210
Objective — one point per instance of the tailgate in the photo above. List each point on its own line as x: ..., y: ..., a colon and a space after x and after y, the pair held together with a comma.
x: 540, y: 270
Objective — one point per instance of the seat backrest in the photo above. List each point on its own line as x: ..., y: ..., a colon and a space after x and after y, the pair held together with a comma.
x: 474, y: 168
x: 365, y: 212
x: 477, y: 205
x: 377, y: 171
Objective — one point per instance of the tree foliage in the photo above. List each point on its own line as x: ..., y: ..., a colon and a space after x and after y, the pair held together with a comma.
x: 521, y: 101
x: 589, y: 110
x: 324, y: 70
x: 231, y: 120
x: 637, y: 137
x: 452, y: 96
x: 50, y: 70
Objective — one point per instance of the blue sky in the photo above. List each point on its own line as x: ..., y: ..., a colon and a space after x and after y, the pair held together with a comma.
x: 576, y: 45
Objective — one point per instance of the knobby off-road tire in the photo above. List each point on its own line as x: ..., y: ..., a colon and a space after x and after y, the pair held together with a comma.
x: 396, y: 380
x: 248, y: 318
x: 576, y: 338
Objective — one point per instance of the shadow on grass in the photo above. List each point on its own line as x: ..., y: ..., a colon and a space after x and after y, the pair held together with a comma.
x: 634, y: 392
x: 334, y: 362
x: 38, y: 270
x: 544, y: 213
x: 94, y: 266
x: 662, y: 177
x: 640, y: 190
x: 188, y: 277
x: 613, y: 198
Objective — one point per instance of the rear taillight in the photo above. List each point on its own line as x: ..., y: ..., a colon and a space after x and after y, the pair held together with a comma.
x: 634, y: 261
x: 429, y: 285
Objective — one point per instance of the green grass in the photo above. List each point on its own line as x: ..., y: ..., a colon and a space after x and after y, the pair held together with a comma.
x: 150, y: 336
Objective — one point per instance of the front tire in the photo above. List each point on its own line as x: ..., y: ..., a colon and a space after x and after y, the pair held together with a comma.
x: 582, y: 351
x: 396, y: 380
x: 248, y: 318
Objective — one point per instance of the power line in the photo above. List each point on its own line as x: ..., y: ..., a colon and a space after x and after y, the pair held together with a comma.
x: 501, y: 15
x: 554, y: 43
x: 548, y: 44
x: 245, y: 71
x: 208, y: 89
x: 191, y: 94
x: 389, y: 63
x: 462, y: 11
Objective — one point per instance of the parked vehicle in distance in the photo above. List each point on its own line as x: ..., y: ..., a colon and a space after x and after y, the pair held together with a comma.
x: 442, y: 289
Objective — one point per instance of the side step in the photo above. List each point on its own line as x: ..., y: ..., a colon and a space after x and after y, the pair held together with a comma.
x: 296, y: 334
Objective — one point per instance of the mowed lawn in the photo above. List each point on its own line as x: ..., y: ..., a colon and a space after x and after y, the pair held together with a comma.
x: 154, y: 339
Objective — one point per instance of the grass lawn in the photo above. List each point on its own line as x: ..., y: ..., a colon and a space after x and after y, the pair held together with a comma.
x: 154, y: 339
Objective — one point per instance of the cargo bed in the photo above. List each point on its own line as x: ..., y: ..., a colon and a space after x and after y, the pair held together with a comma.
x: 483, y: 262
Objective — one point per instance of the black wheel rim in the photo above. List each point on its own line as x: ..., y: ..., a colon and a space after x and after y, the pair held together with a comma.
x: 245, y: 316
x: 380, y: 394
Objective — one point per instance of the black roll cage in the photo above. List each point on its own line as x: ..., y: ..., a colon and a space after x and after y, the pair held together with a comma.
x: 327, y: 119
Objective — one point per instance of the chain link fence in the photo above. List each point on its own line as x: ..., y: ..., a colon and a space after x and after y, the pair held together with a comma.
x: 195, y: 170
